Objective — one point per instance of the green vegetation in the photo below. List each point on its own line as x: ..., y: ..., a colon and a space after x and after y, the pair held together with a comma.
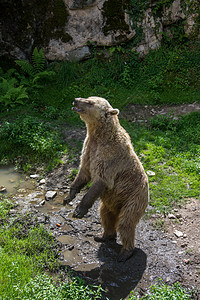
x: 162, y: 291
x: 31, y: 141
x: 35, y: 110
x: 170, y: 148
x: 26, y: 251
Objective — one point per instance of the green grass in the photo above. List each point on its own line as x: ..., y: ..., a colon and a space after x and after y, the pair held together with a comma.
x: 27, y: 251
x: 170, y: 149
x: 162, y: 291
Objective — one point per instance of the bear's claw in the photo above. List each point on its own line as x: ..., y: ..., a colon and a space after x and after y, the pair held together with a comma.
x: 102, y: 239
x: 80, y: 212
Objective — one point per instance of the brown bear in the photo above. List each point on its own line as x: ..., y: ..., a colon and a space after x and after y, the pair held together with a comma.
x: 108, y: 160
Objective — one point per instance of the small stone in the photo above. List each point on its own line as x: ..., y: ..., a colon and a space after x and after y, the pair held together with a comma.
x: 12, y: 180
x: 171, y: 216
x: 50, y: 195
x: 70, y: 248
x: 174, y: 242
x: 42, y: 203
x: 12, y: 211
x: 178, y: 233
x: 21, y: 191
x: 42, y: 181
x: 151, y: 173
x: 178, y: 216
x: 186, y: 261
x: 2, y: 189
x: 34, y: 176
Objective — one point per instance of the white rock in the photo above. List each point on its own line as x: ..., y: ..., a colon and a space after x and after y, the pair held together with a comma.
x: 35, y: 176
x: 41, y: 202
x: 2, y: 188
x: 42, y: 181
x: 178, y: 233
x: 171, y: 216
x: 178, y: 216
x: 50, y: 195
x: 151, y: 173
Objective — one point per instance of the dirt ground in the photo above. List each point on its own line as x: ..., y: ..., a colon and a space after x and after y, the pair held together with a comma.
x: 142, y: 114
x: 167, y: 247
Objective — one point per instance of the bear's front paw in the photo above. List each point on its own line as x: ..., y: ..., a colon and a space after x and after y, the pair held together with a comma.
x: 70, y: 196
x: 79, y: 212
x: 66, y: 200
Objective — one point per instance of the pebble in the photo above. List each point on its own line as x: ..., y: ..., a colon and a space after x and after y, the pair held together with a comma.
x: 35, y: 176
x: 178, y: 233
x: 2, y: 188
x: 50, y: 195
x: 151, y: 173
x: 171, y: 216
x: 42, y: 181
x: 186, y: 261
x: 178, y: 216
x: 42, y: 203
x: 12, y: 180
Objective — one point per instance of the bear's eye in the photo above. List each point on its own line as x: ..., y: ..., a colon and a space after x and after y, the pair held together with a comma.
x: 89, y: 102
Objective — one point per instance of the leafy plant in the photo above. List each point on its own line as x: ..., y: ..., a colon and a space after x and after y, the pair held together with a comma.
x: 43, y: 287
x: 164, y: 122
x: 11, y: 94
x: 31, y: 141
x: 162, y: 291
x: 35, y: 70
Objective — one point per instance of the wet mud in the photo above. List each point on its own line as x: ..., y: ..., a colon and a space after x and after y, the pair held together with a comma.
x: 11, y: 180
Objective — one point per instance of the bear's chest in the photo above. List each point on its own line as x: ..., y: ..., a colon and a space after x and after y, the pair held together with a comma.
x: 93, y: 158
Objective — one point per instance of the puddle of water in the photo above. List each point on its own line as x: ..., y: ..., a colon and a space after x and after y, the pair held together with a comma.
x: 72, y: 256
x: 86, y: 267
x: 13, y: 180
x: 67, y: 239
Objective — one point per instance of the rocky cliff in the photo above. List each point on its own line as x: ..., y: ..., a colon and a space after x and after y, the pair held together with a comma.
x: 65, y: 28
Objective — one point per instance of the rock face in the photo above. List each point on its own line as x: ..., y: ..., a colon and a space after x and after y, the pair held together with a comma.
x: 63, y: 28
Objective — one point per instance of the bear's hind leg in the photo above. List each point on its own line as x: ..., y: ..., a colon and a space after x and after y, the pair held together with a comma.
x: 126, y: 227
x: 108, y: 221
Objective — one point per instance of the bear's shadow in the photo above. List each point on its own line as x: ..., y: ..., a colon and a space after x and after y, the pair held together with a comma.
x: 118, y: 279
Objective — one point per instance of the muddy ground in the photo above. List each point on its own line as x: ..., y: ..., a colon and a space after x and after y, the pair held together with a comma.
x: 161, y: 251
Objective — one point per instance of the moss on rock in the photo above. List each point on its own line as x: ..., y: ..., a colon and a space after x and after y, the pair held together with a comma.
x: 26, y: 24
x: 113, y: 13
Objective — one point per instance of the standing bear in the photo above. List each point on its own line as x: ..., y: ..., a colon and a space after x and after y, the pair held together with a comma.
x: 108, y: 160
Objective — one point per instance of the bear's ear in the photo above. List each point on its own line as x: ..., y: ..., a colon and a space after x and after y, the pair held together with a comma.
x: 113, y: 111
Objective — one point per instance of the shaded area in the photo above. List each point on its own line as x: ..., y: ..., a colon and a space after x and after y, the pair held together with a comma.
x: 118, y: 279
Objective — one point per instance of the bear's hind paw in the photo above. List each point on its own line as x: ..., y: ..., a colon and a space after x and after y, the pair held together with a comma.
x: 102, y: 239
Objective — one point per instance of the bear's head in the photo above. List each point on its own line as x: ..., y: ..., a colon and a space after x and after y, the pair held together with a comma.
x: 93, y: 109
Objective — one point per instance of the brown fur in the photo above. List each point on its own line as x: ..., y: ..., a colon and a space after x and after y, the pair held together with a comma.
x: 109, y: 161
